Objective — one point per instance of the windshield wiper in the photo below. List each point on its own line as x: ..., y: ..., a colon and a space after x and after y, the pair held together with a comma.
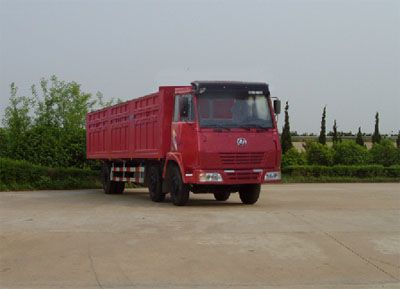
x: 254, y: 125
x: 219, y: 126
x: 244, y: 127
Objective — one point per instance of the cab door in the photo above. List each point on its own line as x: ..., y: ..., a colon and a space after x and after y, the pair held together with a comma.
x: 184, y: 129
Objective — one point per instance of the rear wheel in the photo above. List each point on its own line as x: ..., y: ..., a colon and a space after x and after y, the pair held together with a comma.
x: 154, y: 184
x: 111, y: 187
x: 222, y: 196
x: 249, y: 193
x: 179, y: 190
x: 119, y: 187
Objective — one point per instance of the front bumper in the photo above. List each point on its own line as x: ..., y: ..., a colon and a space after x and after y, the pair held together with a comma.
x: 234, y: 177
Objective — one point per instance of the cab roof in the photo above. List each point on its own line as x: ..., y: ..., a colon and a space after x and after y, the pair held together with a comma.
x: 202, y: 86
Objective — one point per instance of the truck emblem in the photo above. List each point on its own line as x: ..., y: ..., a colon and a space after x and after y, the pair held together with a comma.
x: 241, y: 141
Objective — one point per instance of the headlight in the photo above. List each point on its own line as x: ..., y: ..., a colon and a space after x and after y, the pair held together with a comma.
x: 272, y: 176
x: 210, y: 177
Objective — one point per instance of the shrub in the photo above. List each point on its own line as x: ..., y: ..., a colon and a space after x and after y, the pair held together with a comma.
x: 318, y: 154
x: 385, y: 153
x: 350, y: 153
x: 17, y: 175
x: 293, y: 157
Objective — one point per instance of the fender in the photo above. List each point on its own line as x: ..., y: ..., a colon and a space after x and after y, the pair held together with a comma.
x: 177, y: 158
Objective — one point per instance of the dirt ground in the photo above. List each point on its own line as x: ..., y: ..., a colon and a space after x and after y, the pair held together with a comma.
x: 297, y: 236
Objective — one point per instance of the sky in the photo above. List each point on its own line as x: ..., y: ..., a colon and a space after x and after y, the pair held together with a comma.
x: 342, y: 54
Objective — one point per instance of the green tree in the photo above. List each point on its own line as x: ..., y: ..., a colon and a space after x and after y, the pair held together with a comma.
x: 322, y: 134
x: 335, y: 136
x: 398, y: 140
x: 17, y: 122
x: 48, y: 127
x: 376, y: 137
x: 60, y: 118
x: 359, y: 138
x: 100, y: 102
x: 3, y: 142
x: 61, y: 104
x: 286, y: 138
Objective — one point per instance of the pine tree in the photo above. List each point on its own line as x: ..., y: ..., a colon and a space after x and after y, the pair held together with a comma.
x: 335, y: 137
x: 286, y: 138
x: 322, y: 134
x: 376, y: 137
x: 359, y: 138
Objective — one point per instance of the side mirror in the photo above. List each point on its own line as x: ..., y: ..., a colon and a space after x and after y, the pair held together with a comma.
x: 277, y: 106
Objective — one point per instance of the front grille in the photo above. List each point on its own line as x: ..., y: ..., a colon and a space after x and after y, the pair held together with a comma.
x: 241, y: 158
x: 242, y: 176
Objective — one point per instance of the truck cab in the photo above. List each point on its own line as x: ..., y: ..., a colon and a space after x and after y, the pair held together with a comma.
x: 224, y: 139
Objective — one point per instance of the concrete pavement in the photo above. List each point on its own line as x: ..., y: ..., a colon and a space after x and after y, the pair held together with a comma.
x: 297, y: 236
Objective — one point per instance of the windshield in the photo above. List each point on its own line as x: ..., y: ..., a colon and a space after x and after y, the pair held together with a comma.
x: 227, y: 109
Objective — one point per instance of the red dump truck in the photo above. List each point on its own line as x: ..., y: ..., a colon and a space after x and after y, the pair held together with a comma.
x: 214, y: 137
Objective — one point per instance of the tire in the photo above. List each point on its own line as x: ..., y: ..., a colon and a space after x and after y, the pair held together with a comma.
x: 110, y: 187
x: 119, y: 187
x: 179, y: 190
x: 249, y: 193
x: 155, y: 185
x: 222, y: 196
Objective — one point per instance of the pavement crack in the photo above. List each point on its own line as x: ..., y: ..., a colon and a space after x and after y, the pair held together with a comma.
x: 386, y: 263
x: 93, y: 269
x: 123, y: 273
x: 348, y: 248
x: 365, y: 259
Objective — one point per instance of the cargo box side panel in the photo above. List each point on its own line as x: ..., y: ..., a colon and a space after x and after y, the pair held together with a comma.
x: 119, y: 121
x: 146, y: 113
x: 96, y: 133
x: 136, y: 129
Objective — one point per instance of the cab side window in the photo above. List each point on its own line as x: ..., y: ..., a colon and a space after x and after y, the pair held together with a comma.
x: 183, y: 109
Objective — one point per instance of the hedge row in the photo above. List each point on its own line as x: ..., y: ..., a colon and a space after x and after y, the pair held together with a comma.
x: 356, y: 171
x: 22, y: 175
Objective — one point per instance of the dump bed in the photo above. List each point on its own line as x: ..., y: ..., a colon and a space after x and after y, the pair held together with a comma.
x: 139, y: 128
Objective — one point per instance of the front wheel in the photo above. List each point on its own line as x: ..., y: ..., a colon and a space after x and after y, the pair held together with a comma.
x: 222, y: 196
x: 179, y: 190
x: 249, y: 193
